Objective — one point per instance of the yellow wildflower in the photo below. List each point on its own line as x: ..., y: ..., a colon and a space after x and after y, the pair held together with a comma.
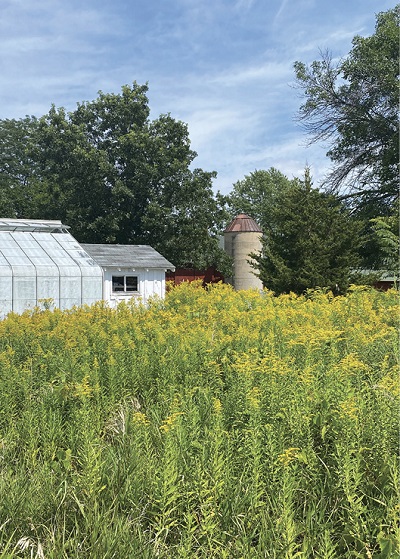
x: 253, y: 397
x: 170, y: 421
x: 217, y: 405
x: 140, y: 418
x: 288, y: 455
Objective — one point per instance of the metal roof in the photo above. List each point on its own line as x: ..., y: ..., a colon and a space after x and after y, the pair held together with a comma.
x: 243, y: 223
x: 127, y: 256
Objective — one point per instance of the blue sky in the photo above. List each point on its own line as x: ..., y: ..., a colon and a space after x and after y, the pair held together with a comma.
x: 225, y: 67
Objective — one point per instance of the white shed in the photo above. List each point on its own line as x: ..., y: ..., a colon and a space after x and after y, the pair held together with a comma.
x: 41, y: 260
x: 130, y: 271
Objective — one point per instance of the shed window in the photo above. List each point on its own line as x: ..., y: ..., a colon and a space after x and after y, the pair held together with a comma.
x: 125, y: 284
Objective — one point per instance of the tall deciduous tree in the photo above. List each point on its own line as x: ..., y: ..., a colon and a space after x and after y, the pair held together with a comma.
x: 353, y: 104
x: 17, y: 168
x: 313, y: 244
x: 257, y: 195
x: 113, y: 175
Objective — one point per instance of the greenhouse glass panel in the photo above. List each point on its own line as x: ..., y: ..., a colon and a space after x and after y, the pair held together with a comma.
x: 5, y: 307
x: 16, y: 258
x: 45, y: 268
x: 48, y: 288
x: 70, y: 288
x: 19, y: 268
x: 69, y: 303
x: 24, y: 288
x: 5, y: 289
x: 92, y: 289
x: 21, y: 305
x: 25, y: 243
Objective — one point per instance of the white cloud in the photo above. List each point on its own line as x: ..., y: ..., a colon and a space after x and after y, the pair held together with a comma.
x: 267, y: 71
x: 244, y: 5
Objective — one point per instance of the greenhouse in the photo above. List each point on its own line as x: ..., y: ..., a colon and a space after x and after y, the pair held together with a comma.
x: 41, y: 261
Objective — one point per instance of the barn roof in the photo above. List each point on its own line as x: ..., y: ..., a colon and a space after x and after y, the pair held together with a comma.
x: 126, y: 256
x: 243, y: 223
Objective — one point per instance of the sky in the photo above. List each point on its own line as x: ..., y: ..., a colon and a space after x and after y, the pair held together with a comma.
x: 224, y: 67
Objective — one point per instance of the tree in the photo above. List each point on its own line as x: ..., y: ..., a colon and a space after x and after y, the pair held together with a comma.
x: 114, y: 176
x: 184, y: 223
x: 314, y: 243
x: 17, y: 168
x: 353, y: 104
x: 386, y: 230
x: 257, y: 195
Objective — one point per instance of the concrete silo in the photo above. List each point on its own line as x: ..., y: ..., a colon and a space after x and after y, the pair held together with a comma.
x: 242, y: 237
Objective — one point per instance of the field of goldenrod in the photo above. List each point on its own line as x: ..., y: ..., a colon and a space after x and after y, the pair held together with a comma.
x: 214, y: 424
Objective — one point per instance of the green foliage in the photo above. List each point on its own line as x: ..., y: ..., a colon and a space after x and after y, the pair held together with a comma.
x: 313, y: 242
x: 113, y: 176
x: 387, y: 233
x: 17, y: 168
x: 258, y: 196
x: 354, y: 105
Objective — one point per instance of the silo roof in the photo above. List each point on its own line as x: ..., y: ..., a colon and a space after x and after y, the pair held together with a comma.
x: 243, y: 223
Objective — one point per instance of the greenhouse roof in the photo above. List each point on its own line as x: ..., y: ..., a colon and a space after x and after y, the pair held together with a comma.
x: 32, y: 225
x: 51, y: 248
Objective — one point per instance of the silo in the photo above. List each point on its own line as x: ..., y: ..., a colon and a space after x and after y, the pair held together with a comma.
x: 242, y: 237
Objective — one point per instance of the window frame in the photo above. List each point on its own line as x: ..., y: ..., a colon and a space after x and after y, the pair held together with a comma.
x: 125, y: 291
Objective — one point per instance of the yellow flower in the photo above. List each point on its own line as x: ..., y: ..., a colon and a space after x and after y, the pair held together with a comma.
x: 288, y: 455
x: 348, y: 408
x: 217, y: 405
x: 170, y: 421
x: 140, y: 418
x: 83, y: 389
x: 254, y: 398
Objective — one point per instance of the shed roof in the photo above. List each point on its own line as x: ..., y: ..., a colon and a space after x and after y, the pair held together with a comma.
x: 126, y: 256
x: 243, y: 223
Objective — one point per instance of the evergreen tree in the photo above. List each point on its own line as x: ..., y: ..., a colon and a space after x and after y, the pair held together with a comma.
x: 313, y: 243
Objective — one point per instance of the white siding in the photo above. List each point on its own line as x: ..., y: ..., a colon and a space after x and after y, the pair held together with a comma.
x: 151, y: 282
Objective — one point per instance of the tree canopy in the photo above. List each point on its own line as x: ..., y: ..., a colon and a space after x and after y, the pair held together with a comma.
x: 114, y: 176
x: 257, y: 195
x: 353, y: 104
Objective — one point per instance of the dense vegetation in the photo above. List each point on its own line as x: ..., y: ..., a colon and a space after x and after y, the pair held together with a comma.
x: 311, y: 241
x: 213, y: 424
